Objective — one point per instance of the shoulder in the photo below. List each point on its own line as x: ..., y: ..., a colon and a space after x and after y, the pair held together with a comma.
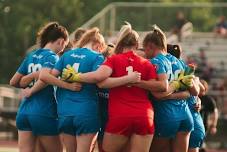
x: 157, y: 60
x: 144, y: 61
x: 68, y: 53
x: 182, y: 62
x: 92, y: 52
x: 44, y: 53
x: 32, y: 53
x: 171, y: 57
x: 114, y: 57
x: 49, y: 55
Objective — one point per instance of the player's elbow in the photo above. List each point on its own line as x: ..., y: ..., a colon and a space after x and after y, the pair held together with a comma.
x: 98, y: 78
x: 14, y: 83
x: 103, y: 85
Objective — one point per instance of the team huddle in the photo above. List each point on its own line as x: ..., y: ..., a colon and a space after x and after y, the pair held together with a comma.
x: 122, y: 98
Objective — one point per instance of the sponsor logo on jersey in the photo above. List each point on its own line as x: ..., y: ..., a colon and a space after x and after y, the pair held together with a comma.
x: 37, y: 56
x: 78, y: 56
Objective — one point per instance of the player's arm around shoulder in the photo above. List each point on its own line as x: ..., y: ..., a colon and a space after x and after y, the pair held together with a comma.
x: 20, y: 73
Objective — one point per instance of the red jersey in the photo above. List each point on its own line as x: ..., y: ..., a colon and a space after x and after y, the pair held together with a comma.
x: 130, y: 101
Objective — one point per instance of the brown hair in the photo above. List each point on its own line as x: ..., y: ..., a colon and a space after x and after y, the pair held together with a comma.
x: 91, y: 35
x: 78, y: 34
x: 156, y: 37
x: 127, y: 38
x: 50, y: 33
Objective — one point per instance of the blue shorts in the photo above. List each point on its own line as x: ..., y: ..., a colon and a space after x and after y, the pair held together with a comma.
x: 38, y: 125
x: 74, y: 125
x: 169, y: 129
x: 198, y: 134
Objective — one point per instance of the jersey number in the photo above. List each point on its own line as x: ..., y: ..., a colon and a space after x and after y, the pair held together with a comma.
x: 175, y: 75
x: 33, y: 68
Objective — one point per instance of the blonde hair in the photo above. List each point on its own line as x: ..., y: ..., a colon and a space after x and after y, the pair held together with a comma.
x: 127, y: 38
x: 157, y: 37
x: 91, y: 35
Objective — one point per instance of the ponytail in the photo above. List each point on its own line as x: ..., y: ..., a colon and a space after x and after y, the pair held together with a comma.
x: 91, y: 35
x: 127, y: 38
x: 50, y: 33
x: 157, y: 37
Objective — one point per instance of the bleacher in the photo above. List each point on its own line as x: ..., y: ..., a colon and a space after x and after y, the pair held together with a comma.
x: 9, y: 102
x: 215, y: 51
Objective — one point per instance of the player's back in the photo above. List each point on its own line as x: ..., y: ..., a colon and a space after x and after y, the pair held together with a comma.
x: 82, y: 60
x: 170, y: 108
x: 43, y: 101
x: 127, y: 98
x: 128, y: 62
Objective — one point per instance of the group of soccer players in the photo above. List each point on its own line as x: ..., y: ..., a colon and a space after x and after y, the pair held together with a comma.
x: 127, y: 100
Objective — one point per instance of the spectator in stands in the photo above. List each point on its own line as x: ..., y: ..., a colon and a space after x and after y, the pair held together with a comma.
x: 77, y: 35
x: 221, y: 26
x: 179, y: 23
x: 204, y: 70
x: 222, y: 66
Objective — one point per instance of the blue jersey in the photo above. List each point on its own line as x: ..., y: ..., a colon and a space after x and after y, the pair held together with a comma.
x: 178, y: 66
x: 172, y: 110
x: 84, y: 102
x: 43, y: 102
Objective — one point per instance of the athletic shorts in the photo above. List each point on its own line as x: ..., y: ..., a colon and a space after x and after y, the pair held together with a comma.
x: 169, y: 129
x: 74, y: 125
x: 198, y: 134
x: 130, y: 125
x: 38, y: 125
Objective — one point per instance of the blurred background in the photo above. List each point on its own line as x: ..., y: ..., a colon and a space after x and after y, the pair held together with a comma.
x: 199, y: 26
